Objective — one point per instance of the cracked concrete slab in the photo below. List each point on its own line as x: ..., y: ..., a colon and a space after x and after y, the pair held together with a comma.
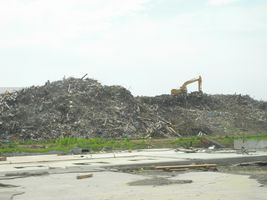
x: 47, y: 177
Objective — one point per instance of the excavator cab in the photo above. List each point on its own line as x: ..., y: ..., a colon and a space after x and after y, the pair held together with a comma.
x: 183, y: 88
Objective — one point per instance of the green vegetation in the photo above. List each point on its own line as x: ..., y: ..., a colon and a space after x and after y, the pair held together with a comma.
x: 65, y: 145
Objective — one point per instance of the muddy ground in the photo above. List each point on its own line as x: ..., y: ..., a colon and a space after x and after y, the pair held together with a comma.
x: 255, y: 171
x: 159, y: 177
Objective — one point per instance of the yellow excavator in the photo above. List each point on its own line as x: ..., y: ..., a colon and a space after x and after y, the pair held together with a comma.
x: 183, y: 88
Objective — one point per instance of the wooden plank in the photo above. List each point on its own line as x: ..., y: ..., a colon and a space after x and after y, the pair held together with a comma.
x: 84, y: 176
x: 186, y: 166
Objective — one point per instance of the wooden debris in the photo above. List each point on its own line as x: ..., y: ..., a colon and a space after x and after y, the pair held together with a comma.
x: 6, y: 105
x: 211, y: 141
x: 2, y: 158
x: 179, y: 167
x: 84, y: 176
x: 84, y: 76
x: 177, y: 170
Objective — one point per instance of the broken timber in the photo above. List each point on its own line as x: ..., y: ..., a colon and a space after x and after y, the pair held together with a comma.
x: 184, y: 167
x: 84, y: 176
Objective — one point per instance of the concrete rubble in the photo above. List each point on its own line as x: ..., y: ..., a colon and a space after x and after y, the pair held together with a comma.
x: 85, y: 108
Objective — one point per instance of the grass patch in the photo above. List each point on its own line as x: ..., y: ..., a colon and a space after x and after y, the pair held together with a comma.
x: 98, y: 144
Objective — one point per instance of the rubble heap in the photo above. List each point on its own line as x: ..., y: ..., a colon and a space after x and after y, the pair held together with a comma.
x: 78, y: 108
x: 85, y: 108
x: 195, y: 113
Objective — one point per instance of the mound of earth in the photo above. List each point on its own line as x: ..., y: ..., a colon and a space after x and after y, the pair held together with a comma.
x: 85, y: 108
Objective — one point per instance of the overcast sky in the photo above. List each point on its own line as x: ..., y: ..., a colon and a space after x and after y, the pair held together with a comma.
x: 147, y: 46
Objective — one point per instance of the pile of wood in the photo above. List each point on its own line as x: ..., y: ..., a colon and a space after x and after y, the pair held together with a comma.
x: 210, y: 167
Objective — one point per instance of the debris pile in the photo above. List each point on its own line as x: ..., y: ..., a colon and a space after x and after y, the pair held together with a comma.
x: 198, y: 114
x: 85, y: 108
x: 78, y: 108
